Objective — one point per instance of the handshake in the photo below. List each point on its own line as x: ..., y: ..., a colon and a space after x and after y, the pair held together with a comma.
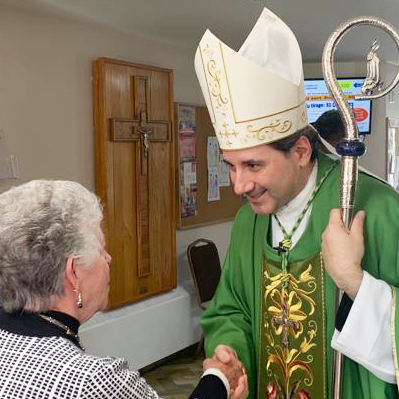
x: 225, y: 360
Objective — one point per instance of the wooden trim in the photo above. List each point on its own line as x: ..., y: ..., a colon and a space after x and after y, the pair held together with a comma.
x: 134, y: 65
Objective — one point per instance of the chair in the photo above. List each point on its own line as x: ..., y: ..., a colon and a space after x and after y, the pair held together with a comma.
x: 203, y: 258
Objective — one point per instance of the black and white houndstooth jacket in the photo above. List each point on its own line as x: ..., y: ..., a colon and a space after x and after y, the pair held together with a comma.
x: 53, y: 367
x: 38, y: 362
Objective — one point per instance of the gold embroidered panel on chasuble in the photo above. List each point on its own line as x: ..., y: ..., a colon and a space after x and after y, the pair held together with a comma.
x: 292, y: 361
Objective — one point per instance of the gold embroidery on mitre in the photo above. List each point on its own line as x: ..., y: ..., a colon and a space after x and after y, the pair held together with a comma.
x: 238, y: 134
x: 290, y: 306
x: 267, y: 131
x: 225, y: 133
x: 215, y: 81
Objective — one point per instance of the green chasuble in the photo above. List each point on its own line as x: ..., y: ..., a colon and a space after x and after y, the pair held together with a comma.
x: 281, y: 327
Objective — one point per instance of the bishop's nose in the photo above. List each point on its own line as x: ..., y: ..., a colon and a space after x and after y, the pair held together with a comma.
x: 242, y: 185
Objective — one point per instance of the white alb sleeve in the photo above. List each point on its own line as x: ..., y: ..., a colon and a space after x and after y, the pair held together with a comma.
x: 366, y: 334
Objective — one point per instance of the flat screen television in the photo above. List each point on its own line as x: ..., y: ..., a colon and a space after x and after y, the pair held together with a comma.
x: 319, y: 101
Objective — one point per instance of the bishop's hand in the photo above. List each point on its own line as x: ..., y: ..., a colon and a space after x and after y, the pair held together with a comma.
x: 343, y: 251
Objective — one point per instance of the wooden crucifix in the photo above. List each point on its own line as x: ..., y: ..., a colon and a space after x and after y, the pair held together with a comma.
x: 140, y: 128
x: 144, y: 132
x: 135, y: 176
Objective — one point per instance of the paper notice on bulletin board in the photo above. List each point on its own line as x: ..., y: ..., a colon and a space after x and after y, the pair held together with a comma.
x: 213, y: 185
x: 186, y: 115
x: 212, y: 153
x: 188, y: 188
x: 224, y: 173
x: 188, y: 165
x: 213, y: 161
x: 187, y: 146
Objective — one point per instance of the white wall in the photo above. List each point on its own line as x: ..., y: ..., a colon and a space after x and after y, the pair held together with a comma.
x: 392, y: 102
x: 46, y: 120
x: 46, y: 98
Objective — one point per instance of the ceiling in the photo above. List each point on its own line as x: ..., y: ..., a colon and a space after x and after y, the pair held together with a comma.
x: 182, y: 22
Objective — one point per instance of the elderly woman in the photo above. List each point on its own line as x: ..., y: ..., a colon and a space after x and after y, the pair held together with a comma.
x: 54, y: 275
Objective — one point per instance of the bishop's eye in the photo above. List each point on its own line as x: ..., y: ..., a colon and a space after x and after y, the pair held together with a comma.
x: 253, y: 166
x: 229, y: 165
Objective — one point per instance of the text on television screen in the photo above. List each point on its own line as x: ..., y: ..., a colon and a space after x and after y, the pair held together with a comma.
x: 319, y: 100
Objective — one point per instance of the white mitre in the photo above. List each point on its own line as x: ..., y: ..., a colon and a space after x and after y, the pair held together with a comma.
x: 255, y: 96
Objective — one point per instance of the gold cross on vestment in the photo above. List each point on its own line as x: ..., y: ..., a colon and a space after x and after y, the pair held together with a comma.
x: 286, y: 324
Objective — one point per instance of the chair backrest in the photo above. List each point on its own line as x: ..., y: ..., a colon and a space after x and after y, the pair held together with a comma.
x: 204, y: 262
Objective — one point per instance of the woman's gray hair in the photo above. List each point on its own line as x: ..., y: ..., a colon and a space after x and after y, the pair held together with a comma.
x: 42, y: 223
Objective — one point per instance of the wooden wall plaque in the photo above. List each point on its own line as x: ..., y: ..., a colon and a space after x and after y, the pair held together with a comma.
x: 135, y: 176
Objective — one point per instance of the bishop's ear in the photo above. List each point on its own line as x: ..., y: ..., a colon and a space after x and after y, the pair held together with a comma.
x: 302, y: 150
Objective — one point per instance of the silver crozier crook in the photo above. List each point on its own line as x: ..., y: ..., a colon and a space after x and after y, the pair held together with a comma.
x: 351, y: 147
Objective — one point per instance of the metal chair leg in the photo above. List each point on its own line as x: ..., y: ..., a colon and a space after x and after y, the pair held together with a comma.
x: 200, y: 345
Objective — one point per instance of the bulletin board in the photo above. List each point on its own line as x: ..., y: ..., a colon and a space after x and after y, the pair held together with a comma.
x: 192, y: 128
